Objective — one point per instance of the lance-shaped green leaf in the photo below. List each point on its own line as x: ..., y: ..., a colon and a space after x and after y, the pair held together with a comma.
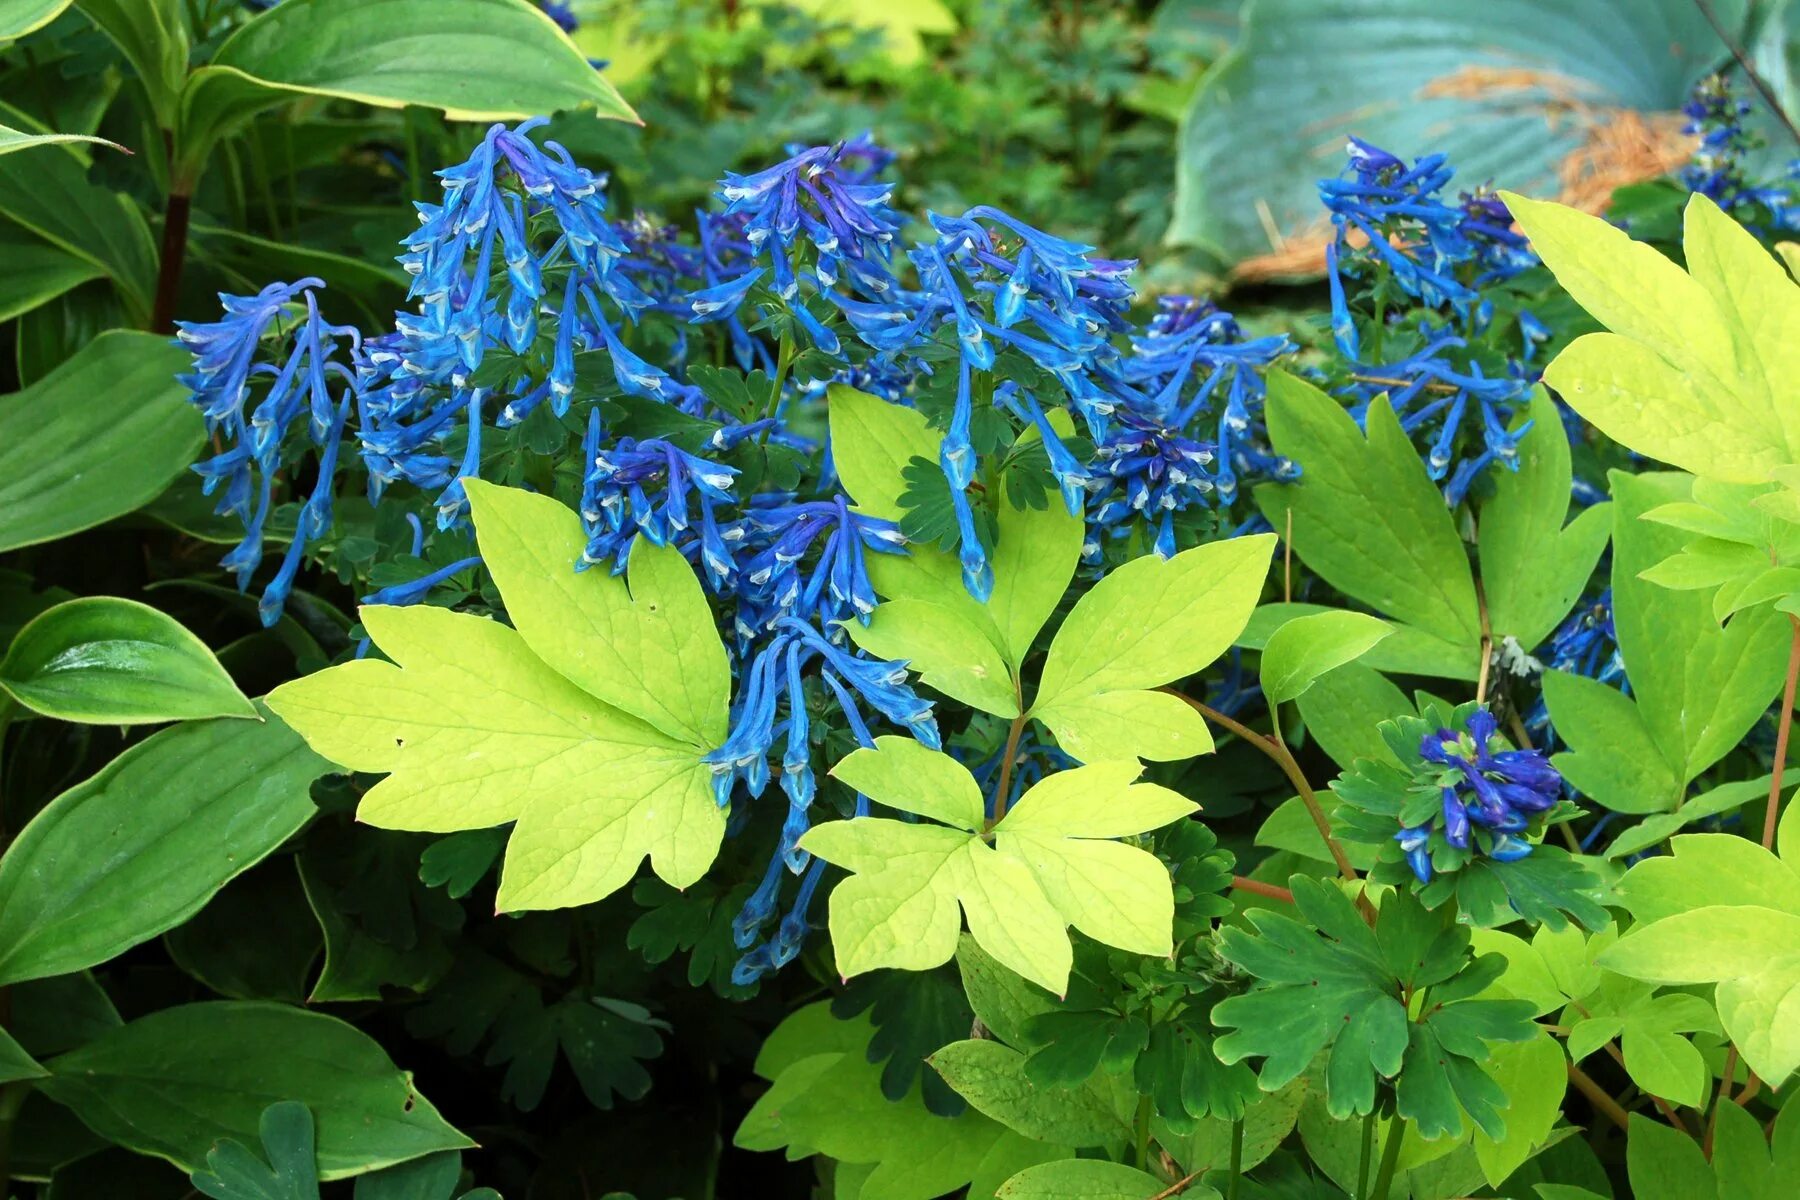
x: 1051, y: 865
x: 1746, y: 551
x: 1091, y: 1179
x: 1148, y: 623
x: 587, y: 725
x: 1698, y: 367
x: 20, y: 17
x: 14, y: 139
x: 1366, y: 516
x: 1612, y: 757
x: 1331, y: 981
x: 1306, y: 647
x: 102, y: 660
x: 1533, y: 567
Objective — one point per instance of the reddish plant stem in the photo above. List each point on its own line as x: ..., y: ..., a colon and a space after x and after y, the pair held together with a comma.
x: 170, y: 261
x: 1006, y: 766
x: 1282, y: 758
x: 1773, y: 815
x: 1598, y: 1097
x: 1257, y: 887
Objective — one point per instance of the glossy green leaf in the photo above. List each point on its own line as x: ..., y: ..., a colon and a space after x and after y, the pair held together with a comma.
x: 1699, y: 688
x: 587, y: 725
x: 20, y: 17
x: 1697, y: 366
x: 1051, y: 865
x: 180, y: 814
x: 286, y: 1169
x: 991, y: 1077
x: 153, y: 37
x: 15, y: 1064
x: 1366, y: 517
x: 1307, y: 647
x: 1533, y: 568
x: 106, y: 661
x: 477, y: 60
x: 48, y: 193
x: 1406, y: 650
x: 37, y: 272
x: 1147, y: 623
x: 97, y: 437
x: 1343, y: 708
x: 1091, y: 1179
x: 173, y: 1083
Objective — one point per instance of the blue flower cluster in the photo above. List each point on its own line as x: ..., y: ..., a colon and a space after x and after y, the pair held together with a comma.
x: 1488, y: 797
x: 1411, y: 249
x: 1717, y: 170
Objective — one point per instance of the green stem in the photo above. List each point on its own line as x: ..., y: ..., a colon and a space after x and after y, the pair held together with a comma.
x: 1362, y: 1161
x: 1390, y: 1158
x: 783, y: 361
x: 1142, y: 1126
x: 1237, y: 1159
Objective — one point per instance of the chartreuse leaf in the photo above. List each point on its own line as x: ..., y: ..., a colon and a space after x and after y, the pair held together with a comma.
x: 1335, y: 983
x: 1366, y: 516
x: 1091, y: 1179
x: 1666, y: 1164
x: 1149, y: 622
x: 1699, y: 688
x: 1698, y: 367
x: 587, y: 725
x: 1612, y: 759
x: 968, y: 650
x: 1406, y: 650
x: 1746, y: 552
x: 1533, y: 568
x: 234, y: 1172
x: 1307, y: 647
x: 1051, y: 865
x: 175, y: 1082
x: 20, y: 17
x: 106, y: 661
x: 1534, y: 1076
x: 180, y: 814
x: 1721, y: 909
x: 100, y: 435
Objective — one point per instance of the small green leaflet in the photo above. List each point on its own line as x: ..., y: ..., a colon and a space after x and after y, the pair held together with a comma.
x: 1091, y: 1179
x: 586, y: 725
x: 234, y: 1172
x: 1723, y: 910
x: 1306, y: 647
x: 1699, y: 365
x: 1336, y: 983
x: 1051, y: 864
x: 1148, y: 623
x: 1746, y: 552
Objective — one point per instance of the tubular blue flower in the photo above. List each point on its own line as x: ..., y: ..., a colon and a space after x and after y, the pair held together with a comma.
x: 1498, y: 790
x: 650, y: 487
x: 415, y: 590
x: 1416, y: 843
x: 1717, y: 168
x: 784, y: 531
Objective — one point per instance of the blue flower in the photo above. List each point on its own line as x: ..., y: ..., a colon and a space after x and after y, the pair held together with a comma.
x: 780, y: 532
x: 651, y: 487
x: 1498, y: 792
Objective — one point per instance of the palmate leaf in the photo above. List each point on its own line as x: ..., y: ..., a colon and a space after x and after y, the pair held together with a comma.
x: 1051, y: 865
x: 1698, y: 366
x: 913, y: 1013
x: 1334, y: 983
x: 586, y: 724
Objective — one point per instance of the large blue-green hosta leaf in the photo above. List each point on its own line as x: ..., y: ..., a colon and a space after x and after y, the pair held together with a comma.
x: 1507, y: 88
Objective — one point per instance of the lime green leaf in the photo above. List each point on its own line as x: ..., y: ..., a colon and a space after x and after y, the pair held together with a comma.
x: 173, y: 1083
x: 1534, y: 1076
x: 1366, y: 516
x: 1694, y: 369
x: 476, y: 729
x: 910, y: 777
x: 1147, y: 623
x: 1749, y: 952
x: 106, y: 661
x: 901, y: 26
x: 180, y: 814
x: 1343, y: 708
x: 650, y: 648
x: 1306, y: 647
x: 1666, y: 1164
x: 100, y: 435
x: 1533, y: 569
x: 872, y: 440
x: 1405, y: 651
x: 991, y: 1077
x: 1612, y: 758
x: 1091, y: 1179
x: 1048, y: 867
x: 1291, y: 827
x: 1154, y: 725
x: 1003, y: 1002
x: 948, y: 652
x: 1699, y: 688
x: 1709, y: 868
x: 1725, y: 798
x: 1011, y: 1153
x: 1033, y: 560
